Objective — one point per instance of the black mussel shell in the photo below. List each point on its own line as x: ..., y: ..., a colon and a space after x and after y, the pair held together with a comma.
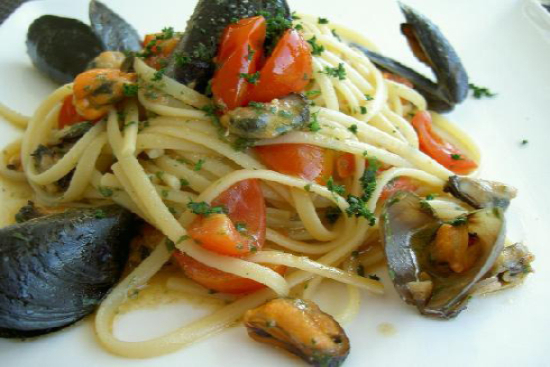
x: 56, y: 269
x: 115, y: 33
x: 204, y: 29
x: 61, y: 48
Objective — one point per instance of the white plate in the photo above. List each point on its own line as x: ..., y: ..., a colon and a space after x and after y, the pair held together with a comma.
x: 500, y: 48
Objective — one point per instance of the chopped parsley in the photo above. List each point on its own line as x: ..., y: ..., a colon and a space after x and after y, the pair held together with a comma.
x: 250, y: 78
x: 105, y: 191
x: 295, y: 16
x: 368, y: 97
x: 430, y: 196
x: 170, y: 245
x: 130, y: 90
x: 358, y: 208
x: 316, y: 49
x: 241, y: 227
x: 307, y: 187
x: 363, y: 110
x: 99, y: 214
x: 333, y: 31
x: 312, y: 93
x: 159, y: 174
x: 361, y: 271
x: 202, y: 208
x: 480, y: 92
x: 184, y: 182
x: 181, y: 59
x: 250, y: 54
x: 198, y: 165
x: 353, y: 129
x: 164, y: 193
x: 183, y: 238
x: 128, y: 124
x: 459, y: 221
x: 157, y: 77
x: 456, y: 157
x: 338, y: 72
x: 314, y: 125
x: 368, y: 180
x: 524, y: 142
x: 322, y: 20
x: 335, y: 188
x: 299, y: 27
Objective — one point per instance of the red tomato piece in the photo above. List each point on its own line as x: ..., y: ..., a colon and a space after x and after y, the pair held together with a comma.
x: 217, y: 280
x: 68, y: 114
x: 345, y: 165
x: 240, y: 53
x: 306, y: 161
x: 442, y: 151
x: 399, y: 184
x: 287, y: 70
x: 160, y: 49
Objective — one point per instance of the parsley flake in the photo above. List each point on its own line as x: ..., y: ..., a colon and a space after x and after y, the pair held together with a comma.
x: 316, y: 49
x: 202, y: 208
x: 338, y: 72
x: 480, y: 92
x: 250, y: 78
x: 314, y: 125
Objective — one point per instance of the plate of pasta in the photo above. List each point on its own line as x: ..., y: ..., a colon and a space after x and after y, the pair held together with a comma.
x: 306, y: 182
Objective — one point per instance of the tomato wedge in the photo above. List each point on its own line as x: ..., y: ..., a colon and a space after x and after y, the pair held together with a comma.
x: 287, y: 70
x: 159, y: 49
x: 442, y: 151
x: 246, y: 210
x: 398, y: 184
x: 217, y: 280
x: 68, y: 114
x: 310, y: 162
x: 240, y: 53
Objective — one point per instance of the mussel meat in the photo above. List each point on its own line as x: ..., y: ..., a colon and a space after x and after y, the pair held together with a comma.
x: 57, y: 268
x: 268, y: 120
x: 481, y: 193
x: 431, y: 47
x: 300, y: 327
x: 432, y: 265
x: 200, y: 41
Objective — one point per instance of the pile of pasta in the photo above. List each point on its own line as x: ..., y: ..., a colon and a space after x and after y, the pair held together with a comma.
x: 178, y: 134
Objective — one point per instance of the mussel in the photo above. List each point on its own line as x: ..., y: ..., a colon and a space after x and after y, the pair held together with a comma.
x: 62, y: 48
x: 57, y: 268
x: 268, y: 120
x: 300, y: 327
x: 200, y: 41
x: 434, y: 265
x: 431, y: 47
x: 481, y: 193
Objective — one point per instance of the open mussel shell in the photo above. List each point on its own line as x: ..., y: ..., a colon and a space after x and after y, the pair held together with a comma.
x: 56, y: 269
x: 113, y: 31
x: 481, y: 193
x: 431, y: 47
x: 203, y: 34
x: 61, y: 48
x: 408, y: 231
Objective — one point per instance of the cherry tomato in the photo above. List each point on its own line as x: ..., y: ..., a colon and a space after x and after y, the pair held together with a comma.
x: 286, y: 71
x: 217, y: 280
x: 240, y: 53
x: 398, y: 79
x: 399, y: 184
x: 345, y: 165
x: 246, y: 210
x: 68, y: 114
x: 306, y: 161
x: 442, y: 151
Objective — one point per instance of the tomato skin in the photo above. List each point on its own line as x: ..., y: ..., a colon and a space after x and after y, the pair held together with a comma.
x: 345, y: 165
x: 440, y: 150
x: 240, y: 53
x: 309, y: 162
x: 287, y: 70
x: 218, y: 280
x: 68, y: 114
x: 399, y: 184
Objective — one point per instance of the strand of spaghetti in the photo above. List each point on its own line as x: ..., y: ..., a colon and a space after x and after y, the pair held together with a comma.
x: 12, y: 150
x: 62, y: 167
x: 301, y: 247
x: 471, y: 148
x: 147, y: 140
x: 310, y: 218
x: 327, y: 88
x: 84, y: 170
x: 163, y: 110
x: 168, y: 85
x: 382, y: 123
x: 404, y: 127
x: 130, y: 128
x: 308, y: 265
x: 13, y: 117
x: 180, y: 170
x: 39, y: 125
